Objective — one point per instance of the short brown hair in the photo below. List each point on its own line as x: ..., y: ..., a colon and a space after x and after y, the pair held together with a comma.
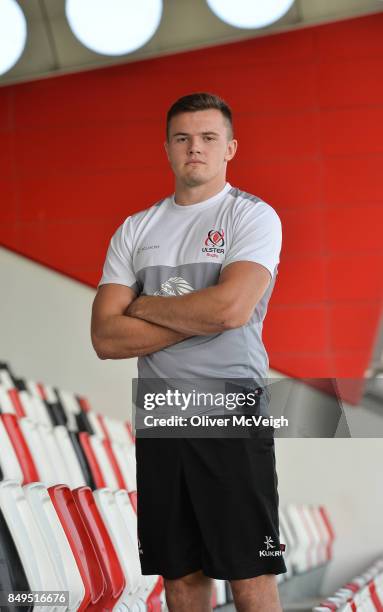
x: 197, y: 102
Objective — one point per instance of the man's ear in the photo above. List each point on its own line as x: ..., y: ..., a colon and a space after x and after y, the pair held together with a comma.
x: 231, y: 149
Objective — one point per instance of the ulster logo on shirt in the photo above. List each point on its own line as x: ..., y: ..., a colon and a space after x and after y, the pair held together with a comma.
x: 214, y: 243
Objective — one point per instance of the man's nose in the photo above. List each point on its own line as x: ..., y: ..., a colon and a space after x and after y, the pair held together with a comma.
x: 194, y: 146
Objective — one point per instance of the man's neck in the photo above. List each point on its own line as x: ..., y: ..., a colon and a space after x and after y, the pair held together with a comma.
x: 185, y: 195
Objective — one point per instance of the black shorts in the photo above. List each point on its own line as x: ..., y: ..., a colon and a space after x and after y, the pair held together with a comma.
x: 208, y: 504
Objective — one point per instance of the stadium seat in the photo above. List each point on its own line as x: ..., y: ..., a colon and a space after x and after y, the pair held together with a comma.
x: 107, y: 556
x: 16, y: 401
x: 106, y: 467
x: 129, y: 429
x: 38, y: 450
x: 81, y: 458
x: 56, y: 455
x: 6, y: 377
x: 83, y: 423
x: 330, y: 531
x: 74, y: 406
x: 95, y: 423
x: 92, y: 461
x: 40, y: 573
x: 116, y: 431
x: 125, y: 457
x: 287, y: 538
x: 56, y: 542
x: 301, y: 556
x: 133, y: 500
x: 109, y: 450
x: 25, y: 398
x: 125, y: 545
x: 57, y: 414
x: 84, y: 404
x: 33, y: 388
x: 70, y: 406
x: 9, y: 462
x: 375, y: 595
x: 32, y: 406
x: 81, y: 545
x: 220, y: 592
x: 130, y: 519
x: 317, y: 552
x: 12, y: 574
x: 378, y: 588
x: 6, y: 404
x: 325, y: 536
x: 48, y: 393
x: 20, y: 447
x: 76, y: 476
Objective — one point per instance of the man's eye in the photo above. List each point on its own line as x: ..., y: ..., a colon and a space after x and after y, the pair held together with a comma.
x: 181, y: 139
x: 209, y: 138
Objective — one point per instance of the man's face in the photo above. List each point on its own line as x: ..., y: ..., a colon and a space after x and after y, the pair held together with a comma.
x: 198, y: 148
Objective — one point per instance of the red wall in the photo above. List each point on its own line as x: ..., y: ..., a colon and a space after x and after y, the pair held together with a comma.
x: 79, y: 153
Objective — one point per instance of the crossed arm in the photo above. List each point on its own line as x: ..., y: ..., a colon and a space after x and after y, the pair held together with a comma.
x: 126, y: 326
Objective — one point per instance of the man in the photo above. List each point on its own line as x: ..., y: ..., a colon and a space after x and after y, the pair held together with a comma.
x: 185, y: 288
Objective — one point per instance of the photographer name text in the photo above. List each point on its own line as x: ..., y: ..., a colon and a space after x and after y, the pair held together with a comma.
x: 210, y: 421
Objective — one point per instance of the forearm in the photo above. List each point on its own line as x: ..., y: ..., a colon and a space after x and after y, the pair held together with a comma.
x: 122, y: 337
x: 204, y: 312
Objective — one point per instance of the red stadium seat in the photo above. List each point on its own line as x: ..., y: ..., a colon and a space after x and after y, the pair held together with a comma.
x: 20, y: 446
x: 110, y: 564
x: 329, y: 528
x: 57, y: 545
x: 9, y: 463
x: 81, y: 545
x: 130, y: 431
x: 84, y: 403
x: 16, y: 401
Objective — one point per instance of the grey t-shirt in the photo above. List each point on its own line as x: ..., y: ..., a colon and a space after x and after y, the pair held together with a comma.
x: 171, y: 250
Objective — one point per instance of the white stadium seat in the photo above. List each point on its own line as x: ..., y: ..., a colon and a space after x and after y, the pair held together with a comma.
x: 38, y: 449
x: 71, y: 408
x: 130, y: 519
x: 76, y: 477
x: 30, y: 545
x: 6, y: 403
x: 126, y: 459
x: 6, y: 379
x: 56, y: 457
x: 104, y: 463
x: 220, y: 587
x: 56, y: 542
x: 124, y: 545
x: 95, y: 423
x: 117, y: 431
x: 301, y: 557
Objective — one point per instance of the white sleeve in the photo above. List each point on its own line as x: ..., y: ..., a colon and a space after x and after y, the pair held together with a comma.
x: 118, y: 266
x: 257, y: 237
